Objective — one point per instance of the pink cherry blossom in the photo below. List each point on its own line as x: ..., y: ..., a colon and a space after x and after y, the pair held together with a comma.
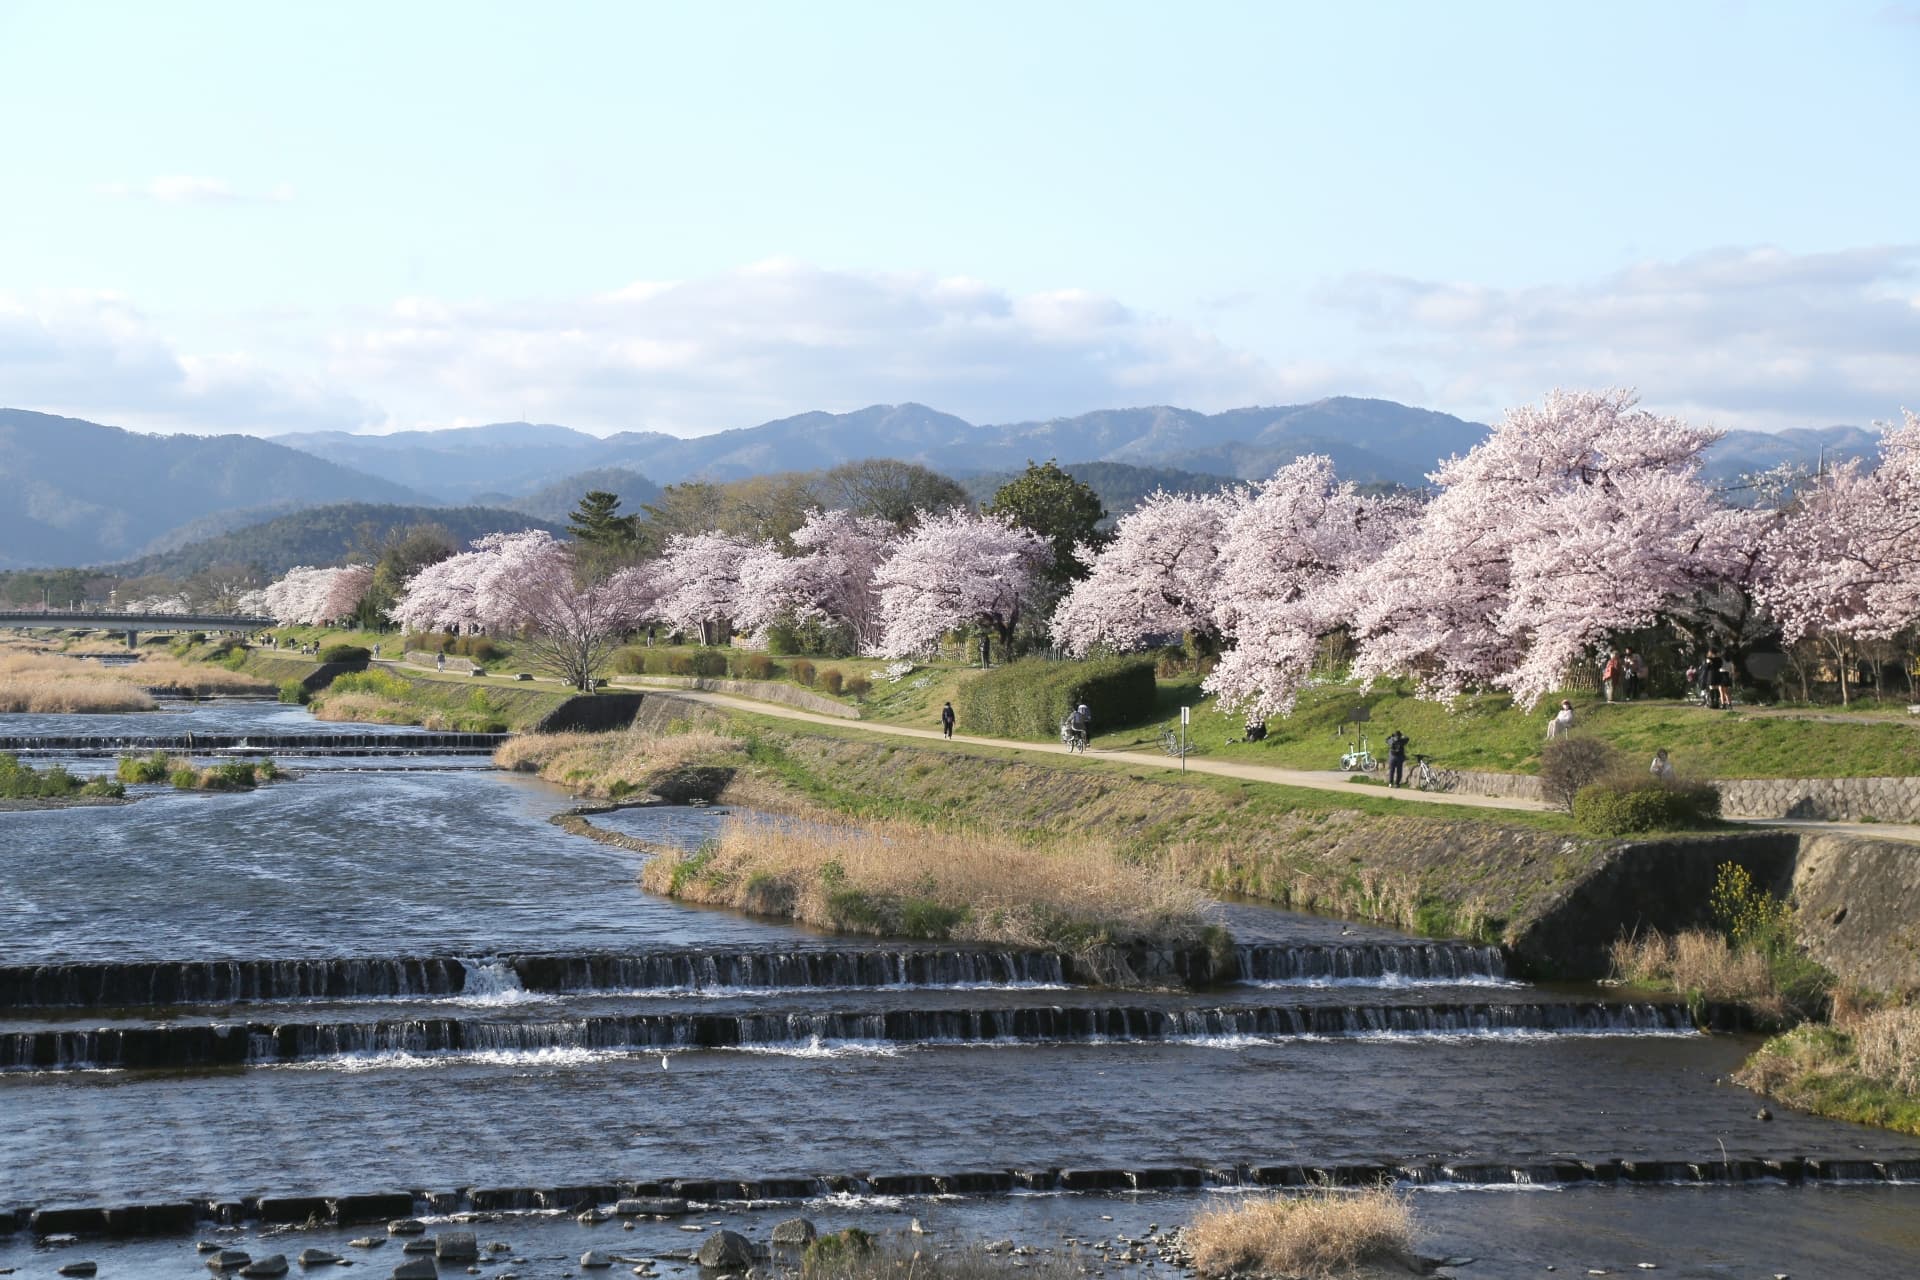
x: 957, y: 569
x: 1158, y: 576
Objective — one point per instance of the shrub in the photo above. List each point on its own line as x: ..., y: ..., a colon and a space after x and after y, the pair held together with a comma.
x: 680, y: 664
x: 1628, y: 806
x: 381, y: 684
x: 628, y: 661
x: 104, y: 787
x: 234, y: 775
x: 293, y: 691
x: 349, y: 653
x: 153, y: 768
x: 1568, y: 764
x: 481, y: 648
x: 23, y: 781
x: 754, y: 666
x: 708, y: 662
x: 831, y: 680
x: 185, y: 778
x: 858, y: 687
x: 1029, y: 699
x: 802, y: 670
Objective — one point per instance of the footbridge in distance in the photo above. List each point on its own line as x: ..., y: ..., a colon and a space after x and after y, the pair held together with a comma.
x: 130, y: 624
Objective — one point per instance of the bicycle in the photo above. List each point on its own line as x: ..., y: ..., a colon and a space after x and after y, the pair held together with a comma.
x: 1428, y: 778
x: 1359, y: 757
x: 1074, y: 737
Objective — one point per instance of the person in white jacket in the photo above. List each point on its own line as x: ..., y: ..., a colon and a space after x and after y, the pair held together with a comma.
x: 1562, y: 723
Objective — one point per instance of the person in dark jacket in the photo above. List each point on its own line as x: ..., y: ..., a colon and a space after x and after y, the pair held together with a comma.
x: 1396, y: 759
x: 946, y: 720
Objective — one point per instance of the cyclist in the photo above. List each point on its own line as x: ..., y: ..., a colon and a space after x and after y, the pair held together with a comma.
x: 1080, y: 723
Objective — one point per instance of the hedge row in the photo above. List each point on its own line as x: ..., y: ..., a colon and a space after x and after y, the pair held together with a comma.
x: 1029, y: 699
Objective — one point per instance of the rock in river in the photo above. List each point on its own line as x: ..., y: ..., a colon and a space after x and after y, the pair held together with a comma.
x: 795, y: 1232
x: 317, y: 1258
x: 416, y: 1269
x: 79, y: 1268
x: 725, y: 1251
x: 274, y: 1264
x: 227, y: 1260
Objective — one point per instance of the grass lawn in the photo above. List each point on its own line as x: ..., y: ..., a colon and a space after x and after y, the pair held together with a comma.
x: 1486, y: 732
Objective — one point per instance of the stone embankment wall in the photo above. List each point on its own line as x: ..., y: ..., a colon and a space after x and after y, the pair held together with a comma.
x: 591, y: 713
x: 764, y: 690
x: 1822, y: 799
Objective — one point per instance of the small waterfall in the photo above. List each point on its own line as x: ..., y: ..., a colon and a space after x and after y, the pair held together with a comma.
x: 1375, y: 963
x: 202, y: 1045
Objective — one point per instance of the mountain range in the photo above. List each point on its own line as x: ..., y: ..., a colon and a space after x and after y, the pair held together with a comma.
x: 76, y: 492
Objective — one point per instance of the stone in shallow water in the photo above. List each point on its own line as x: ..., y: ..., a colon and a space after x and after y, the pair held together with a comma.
x: 422, y: 1245
x: 317, y: 1258
x: 657, y: 1206
x: 798, y: 1232
x: 416, y: 1269
x: 594, y: 1259
x: 456, y: 1246
x: 366, y: 1242
x: 227, y: 1260
x: 406, y: 1227
x: 274, y: 1264
x: 79, y: 1268
x: 725, y: 1251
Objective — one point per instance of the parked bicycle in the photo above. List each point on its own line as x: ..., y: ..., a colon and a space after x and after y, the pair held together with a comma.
x: 1428, y: 778
x: 1359, y: 757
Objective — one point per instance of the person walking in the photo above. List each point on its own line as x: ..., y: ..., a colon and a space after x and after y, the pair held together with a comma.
x: 1723, y: 683
x: 440, y: 663
x: 946, y: 721
x: 1636, y: 674
x: 1562, y: 723
x: 1610, y: 673
x: 1396, y: 759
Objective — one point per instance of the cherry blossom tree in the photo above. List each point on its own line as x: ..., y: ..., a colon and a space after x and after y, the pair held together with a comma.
x: 308, y: 596
x: 700, y: 588
x: 1844, y: 562
x: 1274, y: 593
x: 957, y: 569
x: 1575, y: 520
x: 570, y: 627
x: 831, y: 579
x: 1158, y: 575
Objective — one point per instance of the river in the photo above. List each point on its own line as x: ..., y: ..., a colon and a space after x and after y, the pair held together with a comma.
x: 395, y: 974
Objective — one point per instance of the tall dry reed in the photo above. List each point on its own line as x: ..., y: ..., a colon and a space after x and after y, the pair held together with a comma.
x: 609, y: 764
x: 1699, y: 963
x: 1317, y: 1236
x: 1886, y: 1044
x: 898, y: 878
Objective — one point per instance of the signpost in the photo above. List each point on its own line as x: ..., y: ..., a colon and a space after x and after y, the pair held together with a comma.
x: 1186, y: 719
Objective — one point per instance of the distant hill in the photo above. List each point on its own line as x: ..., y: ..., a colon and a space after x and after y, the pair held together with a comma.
x: 460, y: 463
x: 556, y: 501
x: 1120, y: 485
x: 1745, y: 452
x: 322, y: 535
x: 75, y: 492
x: 1370, y: 440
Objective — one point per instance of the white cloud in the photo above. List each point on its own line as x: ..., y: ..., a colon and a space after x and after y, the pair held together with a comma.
x: 779, y: 336
x: 1733, y: 337
x: 189, y: 189
x: 94, y: 355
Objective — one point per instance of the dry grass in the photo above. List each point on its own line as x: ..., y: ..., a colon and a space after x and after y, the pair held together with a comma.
x: 365, y: 708
x: 1698, y: 963
x: 193, y: 679
x: 1318, y: 1236
x: 48, y: 683
x: 907, y: 880
x: 1886, y: 1045
x: 610, y: 764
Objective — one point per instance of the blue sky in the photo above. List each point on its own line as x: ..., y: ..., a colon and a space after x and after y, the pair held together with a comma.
x: 276, y: 218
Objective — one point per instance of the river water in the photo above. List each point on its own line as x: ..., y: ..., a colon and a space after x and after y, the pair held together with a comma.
x: 397, y: 974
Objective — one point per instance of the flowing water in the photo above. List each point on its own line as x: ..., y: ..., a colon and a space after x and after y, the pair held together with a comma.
x: 396, y: 975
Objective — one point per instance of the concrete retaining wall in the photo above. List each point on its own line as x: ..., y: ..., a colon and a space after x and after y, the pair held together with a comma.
x: 1821, y: 799
x: 591, y: 713
x: 1859, y: 906
x: 1824, y: 799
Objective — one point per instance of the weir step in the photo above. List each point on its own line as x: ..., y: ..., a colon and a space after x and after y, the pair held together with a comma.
x: 195, y: 1046
x: 675, y: 1194
x: 162, y: 984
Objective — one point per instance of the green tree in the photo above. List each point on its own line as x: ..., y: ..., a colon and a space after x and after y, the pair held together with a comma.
x: 403, y: 553
x: 597, y: 522
x: 1059, y: 508
x: 888, y: 488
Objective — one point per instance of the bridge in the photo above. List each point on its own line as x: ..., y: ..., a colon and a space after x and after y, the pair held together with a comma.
x: 131, y: 624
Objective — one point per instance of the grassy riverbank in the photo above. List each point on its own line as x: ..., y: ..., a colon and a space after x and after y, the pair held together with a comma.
x: 1863, y: 1067
x: 35, y: 680
x: 909, y: 880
